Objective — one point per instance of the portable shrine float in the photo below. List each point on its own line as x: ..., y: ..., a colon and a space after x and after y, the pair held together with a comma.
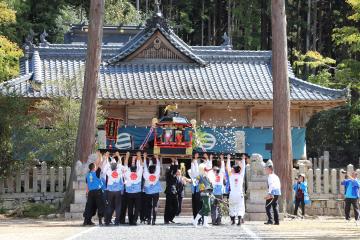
x: 173, y: 136
x: 169, y: 136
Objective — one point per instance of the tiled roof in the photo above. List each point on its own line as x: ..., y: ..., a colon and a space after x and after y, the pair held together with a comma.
x: 228, y: 76
x: 216, y: 73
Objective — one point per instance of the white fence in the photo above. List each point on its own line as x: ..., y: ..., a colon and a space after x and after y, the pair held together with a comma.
x: 34, y: 184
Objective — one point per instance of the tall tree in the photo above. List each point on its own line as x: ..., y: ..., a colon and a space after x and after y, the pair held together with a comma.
x: 87, y: 123
x: 282, y: 152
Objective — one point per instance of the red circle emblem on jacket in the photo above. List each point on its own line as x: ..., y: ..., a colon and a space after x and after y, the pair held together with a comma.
x: 115, y: 174
x: 152, y: 178
x: 133, y: 176
x: 217, y: 179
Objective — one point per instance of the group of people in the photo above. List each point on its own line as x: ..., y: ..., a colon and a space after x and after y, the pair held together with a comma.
x: 118, y: 186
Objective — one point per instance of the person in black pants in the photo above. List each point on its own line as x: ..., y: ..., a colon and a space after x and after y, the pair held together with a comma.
x: 152, y: 189
x: 124, y: 207
x: 133, y: 178
x: 171, y: 203
x: 352, y: 195
x: 180, y: 187
x: 95, y: 198
x: 114, y: 187
x: 274, y: 191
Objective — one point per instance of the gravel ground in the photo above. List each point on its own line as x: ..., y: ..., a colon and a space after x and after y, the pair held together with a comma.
x: 319, y: 228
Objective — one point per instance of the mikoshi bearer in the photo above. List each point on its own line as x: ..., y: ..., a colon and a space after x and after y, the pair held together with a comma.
x: 152, y: 187
x: 236, y: 197
x: 95, y: 198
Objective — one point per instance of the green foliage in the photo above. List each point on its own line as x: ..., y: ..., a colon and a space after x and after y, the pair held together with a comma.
x: 339, y: 129
x: 34, y: 210
x: 198, y: 138
x: 119, y: 12
x: 13, y: 120
x: 9, y: 51
x: 7, y: 15
x: 9, y: 58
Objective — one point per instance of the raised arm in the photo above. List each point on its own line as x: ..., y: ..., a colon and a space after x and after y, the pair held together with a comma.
x: 243, y: 166
x: 228, y: 166
x: 194, y: 168
x: 222, y: 164
x: 158, y: 165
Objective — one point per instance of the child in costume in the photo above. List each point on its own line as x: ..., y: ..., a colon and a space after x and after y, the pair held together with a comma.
x: 205, y: 188
x: 236, y: 196
x: 152, y: 188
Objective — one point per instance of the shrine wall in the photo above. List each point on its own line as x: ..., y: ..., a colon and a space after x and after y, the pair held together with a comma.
x: 215, y: 115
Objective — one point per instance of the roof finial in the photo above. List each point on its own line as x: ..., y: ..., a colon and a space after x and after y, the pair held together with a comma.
x: 157, y: 8
x: 43, y: 40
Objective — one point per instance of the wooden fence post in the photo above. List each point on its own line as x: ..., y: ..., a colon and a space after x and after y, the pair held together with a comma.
x: 349, y: 169
x: 326, y: 181
x: 52, y: 179
x: 26, y: 180
x: 43, y: 176
x: 318, y: 180
x: 310, y: 175
x: 67, y: 175
x: 61, y: 180
x: 10, y: 184
x: 18, y: 181
x: 2, y: 186
x: 35, y: 179
x: 341, y: 177
x: 333, y: 181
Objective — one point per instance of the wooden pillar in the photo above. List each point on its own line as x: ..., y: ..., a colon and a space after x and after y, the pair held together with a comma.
x: 198, y: 114
x: 282, y: 152
x: 249, y: 111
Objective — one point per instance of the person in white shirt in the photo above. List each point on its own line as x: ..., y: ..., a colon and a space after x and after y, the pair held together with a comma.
x: 194, y: 173
x: 236, y: 197
x: 152, y: 187
x: 274, y: 191
x: 114, y: 188
x: 133, y: 177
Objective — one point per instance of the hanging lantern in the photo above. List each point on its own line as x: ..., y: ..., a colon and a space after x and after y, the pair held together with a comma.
x: 111, y: 128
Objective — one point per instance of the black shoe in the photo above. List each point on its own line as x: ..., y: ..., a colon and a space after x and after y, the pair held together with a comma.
x: 277, y: 223
x: 269, y: 223
x: 232, y: 220
x: 116, y: 224
x: 167, y: 222
x: 239, y: 221
x: 172, y: 221
x: 100, y: 222
x: 133, y: 224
